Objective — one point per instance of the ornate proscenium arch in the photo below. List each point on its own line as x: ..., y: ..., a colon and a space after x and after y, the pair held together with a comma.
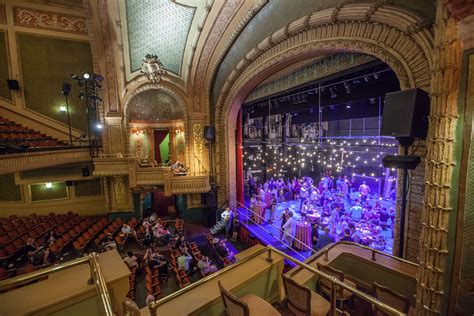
x: 405, y: 42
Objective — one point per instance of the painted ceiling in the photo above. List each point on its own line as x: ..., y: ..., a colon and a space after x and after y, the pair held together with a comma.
x: 158, y: 27
x: 154, y: 105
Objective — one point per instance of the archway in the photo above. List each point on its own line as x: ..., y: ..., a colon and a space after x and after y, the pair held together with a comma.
x: 405, y: 42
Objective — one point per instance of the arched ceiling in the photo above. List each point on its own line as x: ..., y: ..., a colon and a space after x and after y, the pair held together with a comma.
x: 154, y: 105
x: 161, y: 27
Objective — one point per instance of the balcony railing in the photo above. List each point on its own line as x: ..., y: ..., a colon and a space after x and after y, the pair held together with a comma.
x: 335, y: 284
x: 96, y: 277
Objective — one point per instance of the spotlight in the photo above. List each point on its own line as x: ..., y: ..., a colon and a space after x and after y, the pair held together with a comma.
x: 48, y: 185
x: 348, y: 106
x: 376, y: 76
x: 99, y: 126
x: 86, y: 75
x: 366, y: 78
x: 62, y: 108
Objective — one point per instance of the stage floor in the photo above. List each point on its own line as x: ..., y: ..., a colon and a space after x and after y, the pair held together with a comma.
x: 270, y: 233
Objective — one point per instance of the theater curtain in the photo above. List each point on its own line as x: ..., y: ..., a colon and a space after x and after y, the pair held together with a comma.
x: 239, y: 158
x: 161, y: 203
x: 159, y: 136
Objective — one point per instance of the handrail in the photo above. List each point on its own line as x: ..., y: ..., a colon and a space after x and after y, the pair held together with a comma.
x: 96, y: 278
x: 269, y: 249
x: 310, y: 248
x: 289, y: 246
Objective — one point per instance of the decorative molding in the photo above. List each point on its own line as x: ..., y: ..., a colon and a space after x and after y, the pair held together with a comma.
x: 111, y: 81
x: 197, y: 144
x: 226, y: 14
x: 3, y: 14
x: 41, y: 159
x: 46, y: 20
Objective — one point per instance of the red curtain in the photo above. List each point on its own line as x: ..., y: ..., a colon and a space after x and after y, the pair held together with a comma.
x: 239, y: 159
x: 159, y: 135
x: 161, y: 203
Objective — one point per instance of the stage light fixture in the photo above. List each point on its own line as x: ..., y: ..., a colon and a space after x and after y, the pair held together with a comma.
x: 99, y: 126
x: 86, y: 75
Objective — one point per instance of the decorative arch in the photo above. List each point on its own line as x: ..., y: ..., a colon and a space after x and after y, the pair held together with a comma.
x: 398, y: 37
x: 180, y: 101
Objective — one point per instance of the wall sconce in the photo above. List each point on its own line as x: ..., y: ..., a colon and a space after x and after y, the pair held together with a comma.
x: 62, y: 108
x: 48, y: 185
x: 137, y: 131
x: 178, y: 130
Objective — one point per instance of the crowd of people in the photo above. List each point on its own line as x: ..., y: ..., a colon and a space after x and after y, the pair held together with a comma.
x: 336, y: 210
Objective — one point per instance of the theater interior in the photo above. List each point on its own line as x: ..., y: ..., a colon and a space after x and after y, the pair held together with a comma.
x: 236, y: 157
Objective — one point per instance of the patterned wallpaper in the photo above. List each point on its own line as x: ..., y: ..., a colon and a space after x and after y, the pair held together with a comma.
x: 45, y: 64
x: 88, y: 187
x: 8, y: 190
x: 39, y: 192
x: 154, y: 105
x: 4, y: 73
x: 158, y: 27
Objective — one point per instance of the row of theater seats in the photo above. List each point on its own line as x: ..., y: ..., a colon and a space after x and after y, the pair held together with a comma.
x: 132, y: 285
x: 225, y: 260
x: 152, y: 279
x: 15, y: 232
x: 14, y: 137
x: 181, y: 275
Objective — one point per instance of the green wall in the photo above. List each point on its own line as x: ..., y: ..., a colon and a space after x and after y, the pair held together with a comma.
x: 46, y: 63
x: 165, y: 148
x: 88, y: 187
x: 8, y: 190
x: 39, y: 192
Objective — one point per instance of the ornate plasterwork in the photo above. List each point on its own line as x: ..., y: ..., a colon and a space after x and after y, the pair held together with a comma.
x: 225, y: 15
x: 52, y: 21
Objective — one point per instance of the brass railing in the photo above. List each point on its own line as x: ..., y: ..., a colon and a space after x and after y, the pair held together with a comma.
x: 335, y: 283
x: 96, y: 278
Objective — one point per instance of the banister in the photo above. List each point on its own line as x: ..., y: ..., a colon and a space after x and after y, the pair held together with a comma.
x: 96, y: 278
x: 269, y: 249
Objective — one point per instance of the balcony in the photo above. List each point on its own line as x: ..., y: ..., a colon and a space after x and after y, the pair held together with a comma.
x: 145, y: 175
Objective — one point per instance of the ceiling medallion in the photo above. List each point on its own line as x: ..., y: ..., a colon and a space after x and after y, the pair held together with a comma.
x: 153, y: 68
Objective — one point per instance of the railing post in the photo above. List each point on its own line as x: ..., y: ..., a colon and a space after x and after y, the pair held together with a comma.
x: 333, y: 298
x: 91, y: 267
x: 269, y: 257
x: 373, y: 255
x: 152, y: 308
x: 326, y: 255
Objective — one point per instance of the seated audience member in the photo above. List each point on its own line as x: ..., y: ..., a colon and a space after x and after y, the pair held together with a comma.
x: 52, y: 237
x: 187, y: 262
x: 386, y: 232
x: 108, y: 243
x: 178, y: 168
x: 347, y: 235
x: 355, y: 235
x: 130, y: 260
x: 204, y: 264
x: 356, y: 212
x: 221, y: 249
x: 324, y: 239
x: 149, y: 299
x: 127, y: 231
x: 37, y: 255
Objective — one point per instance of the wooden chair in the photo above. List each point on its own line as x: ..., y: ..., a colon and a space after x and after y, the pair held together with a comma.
x: 342, y: 295
x: 246, y: 305
x: 302, y: 301
x: 391, y: 298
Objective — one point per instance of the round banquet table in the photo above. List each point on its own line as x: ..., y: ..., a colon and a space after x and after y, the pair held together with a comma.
x: 303, y: 234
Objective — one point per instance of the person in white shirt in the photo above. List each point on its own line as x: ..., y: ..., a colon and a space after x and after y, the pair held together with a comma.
x: 130, y: 260
x: 356, y: 212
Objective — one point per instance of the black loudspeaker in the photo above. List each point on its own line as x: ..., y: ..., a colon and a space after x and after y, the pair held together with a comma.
x: 69, y: 183
x: 405, y: 114
x: 13, y: 84
x: 401, y: 162
x: 86, y: 172
x: 66, y: 88
x: 209, y: 132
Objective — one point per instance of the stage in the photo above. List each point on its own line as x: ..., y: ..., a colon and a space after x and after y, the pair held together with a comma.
x: 270, y: 233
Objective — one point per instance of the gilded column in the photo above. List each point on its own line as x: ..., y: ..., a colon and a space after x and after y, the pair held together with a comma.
x: 439, y: 165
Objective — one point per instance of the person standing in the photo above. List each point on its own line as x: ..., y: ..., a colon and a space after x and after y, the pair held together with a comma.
x: 273, y: 207
x: 283, y: 218
x: 325, y: 239
x: 235, y: 225
x: 289, y: 229
x: 364, y: 191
